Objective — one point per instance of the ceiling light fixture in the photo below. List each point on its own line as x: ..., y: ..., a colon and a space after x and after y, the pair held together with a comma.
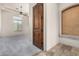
x: 20, y: 10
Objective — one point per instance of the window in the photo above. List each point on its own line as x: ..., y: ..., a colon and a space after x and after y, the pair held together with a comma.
x: 70, y: 21
x: 17, y: 23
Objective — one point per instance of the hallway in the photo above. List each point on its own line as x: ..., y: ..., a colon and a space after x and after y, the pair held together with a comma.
x: 26, y: 26
x: 19, y: 45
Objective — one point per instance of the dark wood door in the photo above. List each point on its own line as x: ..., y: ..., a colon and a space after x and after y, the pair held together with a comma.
x: 38, y: 25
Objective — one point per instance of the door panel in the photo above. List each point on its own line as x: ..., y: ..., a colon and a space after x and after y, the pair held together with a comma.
x: 38, y: 25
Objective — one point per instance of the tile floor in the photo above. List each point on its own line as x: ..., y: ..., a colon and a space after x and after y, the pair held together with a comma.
x: 60, y: 50
x: 17, y: 46
x: 22, y: 46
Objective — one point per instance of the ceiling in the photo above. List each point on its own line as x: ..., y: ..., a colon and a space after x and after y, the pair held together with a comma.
x: 25, y: 6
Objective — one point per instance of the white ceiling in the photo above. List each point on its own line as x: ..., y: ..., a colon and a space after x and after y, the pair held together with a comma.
x: 25, y: 6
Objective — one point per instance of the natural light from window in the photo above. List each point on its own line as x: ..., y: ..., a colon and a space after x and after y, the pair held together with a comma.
x: 17, y: 23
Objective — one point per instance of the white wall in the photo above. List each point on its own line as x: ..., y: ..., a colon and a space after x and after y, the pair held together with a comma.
x: 0, y: 21
x: 7, y: 26
x: 65, y: 40
x: 51, y: 25
x: 31, y: 20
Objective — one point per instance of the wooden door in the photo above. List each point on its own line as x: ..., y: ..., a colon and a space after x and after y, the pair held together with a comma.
x: 38, y: 25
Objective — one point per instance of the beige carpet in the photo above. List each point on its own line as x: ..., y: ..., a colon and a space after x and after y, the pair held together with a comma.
x: 60, y: 50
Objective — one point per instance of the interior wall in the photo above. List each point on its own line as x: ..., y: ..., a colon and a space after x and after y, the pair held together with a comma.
x: 0, y: 21
x: 31, y: 20
x: 7, y: 27
x: 65, y: 39
x: 51, y: 25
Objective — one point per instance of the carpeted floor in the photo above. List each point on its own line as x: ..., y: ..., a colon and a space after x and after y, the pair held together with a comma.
x: 60, y: 50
